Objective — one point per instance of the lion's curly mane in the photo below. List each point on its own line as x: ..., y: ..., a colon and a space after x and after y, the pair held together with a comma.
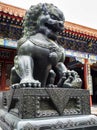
x: 31, y: 19
x: 32, y: 15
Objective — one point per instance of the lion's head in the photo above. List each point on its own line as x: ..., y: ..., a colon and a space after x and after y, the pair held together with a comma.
x: 44, y: 18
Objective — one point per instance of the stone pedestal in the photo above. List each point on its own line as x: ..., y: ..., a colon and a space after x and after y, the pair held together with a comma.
x: 46, y: 109
x: 47, y: 102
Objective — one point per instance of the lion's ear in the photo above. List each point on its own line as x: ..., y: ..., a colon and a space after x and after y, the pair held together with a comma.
x: 44, y: 9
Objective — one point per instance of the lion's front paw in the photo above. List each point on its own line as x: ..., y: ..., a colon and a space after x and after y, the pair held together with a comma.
x: 30, y: 83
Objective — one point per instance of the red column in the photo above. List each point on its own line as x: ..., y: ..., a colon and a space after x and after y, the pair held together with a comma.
x: 86, y: 77
x: 3, y: 76
x: 85, y: 73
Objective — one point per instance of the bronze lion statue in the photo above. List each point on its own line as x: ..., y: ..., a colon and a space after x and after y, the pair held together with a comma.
x: 40, y: 59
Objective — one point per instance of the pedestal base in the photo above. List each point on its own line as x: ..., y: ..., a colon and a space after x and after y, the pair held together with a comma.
x: 88, y: 122
x: 78, y: 122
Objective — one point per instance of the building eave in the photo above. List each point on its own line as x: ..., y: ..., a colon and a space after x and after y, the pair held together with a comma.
x: 12, y: 10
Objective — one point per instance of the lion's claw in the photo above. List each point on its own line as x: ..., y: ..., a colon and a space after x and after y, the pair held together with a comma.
x: 30, y: 83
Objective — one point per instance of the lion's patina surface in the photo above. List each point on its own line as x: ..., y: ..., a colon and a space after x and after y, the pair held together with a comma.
x: 40, y: 60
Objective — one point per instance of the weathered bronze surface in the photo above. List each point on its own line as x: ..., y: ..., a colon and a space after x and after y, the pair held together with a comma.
x: 40, y: 59
x: 44, y: 94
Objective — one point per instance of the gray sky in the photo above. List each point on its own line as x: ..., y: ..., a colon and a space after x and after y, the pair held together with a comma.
x: 83, y: 12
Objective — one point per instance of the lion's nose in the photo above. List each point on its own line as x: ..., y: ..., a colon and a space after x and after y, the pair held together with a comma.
x: 61, y: 24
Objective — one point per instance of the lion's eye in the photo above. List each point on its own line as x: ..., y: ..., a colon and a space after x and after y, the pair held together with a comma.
x: 54, y: 17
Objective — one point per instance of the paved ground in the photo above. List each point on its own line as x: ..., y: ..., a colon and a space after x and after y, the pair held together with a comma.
x: 94, y: 109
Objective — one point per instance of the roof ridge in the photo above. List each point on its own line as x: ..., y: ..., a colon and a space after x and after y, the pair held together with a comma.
x: 80, y: 28
x: 12, y: 10
x: 12, y: 6
x: 83, y: 26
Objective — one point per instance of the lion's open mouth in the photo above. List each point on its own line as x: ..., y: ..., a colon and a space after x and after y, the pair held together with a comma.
x: 52, y: 27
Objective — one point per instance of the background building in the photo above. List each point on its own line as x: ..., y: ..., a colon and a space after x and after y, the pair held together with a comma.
x: 79, y: 42
x: 11, y: 19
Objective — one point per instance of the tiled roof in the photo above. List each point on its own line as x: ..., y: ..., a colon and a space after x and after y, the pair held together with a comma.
x: 12, y: 10
x: 19, y: 12
x: 80, y: 29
